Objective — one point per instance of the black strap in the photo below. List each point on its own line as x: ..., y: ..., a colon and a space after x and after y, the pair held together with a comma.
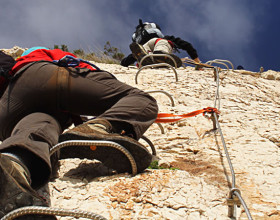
x: 141, y: 23
x: 5, y: 73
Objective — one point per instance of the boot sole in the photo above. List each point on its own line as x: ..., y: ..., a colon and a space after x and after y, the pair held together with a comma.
x: 13, y: 195
x: 138, y: 54
x: 109, y: 156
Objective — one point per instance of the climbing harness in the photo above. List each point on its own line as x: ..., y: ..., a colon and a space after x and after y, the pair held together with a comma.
x: 70, y: 61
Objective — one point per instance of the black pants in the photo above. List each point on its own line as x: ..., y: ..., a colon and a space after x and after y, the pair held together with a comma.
x: 38, y: 105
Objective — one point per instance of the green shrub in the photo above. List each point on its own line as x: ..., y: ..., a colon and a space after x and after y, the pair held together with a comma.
x: 110, y: 55
x: 113, y: 51
x: 79, y: 52
x: 62, y: 47
x: 154, y: 165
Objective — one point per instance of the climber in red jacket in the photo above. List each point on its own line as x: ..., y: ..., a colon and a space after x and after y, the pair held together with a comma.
x: 46, y: 92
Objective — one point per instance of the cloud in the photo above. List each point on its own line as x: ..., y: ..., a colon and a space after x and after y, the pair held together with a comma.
x: 77, y: 24
x: 217, y: 28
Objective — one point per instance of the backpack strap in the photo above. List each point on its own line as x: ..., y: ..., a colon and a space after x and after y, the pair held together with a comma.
x: 5, y: 73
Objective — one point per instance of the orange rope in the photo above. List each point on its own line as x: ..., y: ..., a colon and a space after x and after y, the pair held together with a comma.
x: 168, y: 117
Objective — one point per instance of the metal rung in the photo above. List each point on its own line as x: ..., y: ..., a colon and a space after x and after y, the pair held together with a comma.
x: 39, y: 210
x: 150, y: 144
x: 157, y: 65
x: 163, y: 92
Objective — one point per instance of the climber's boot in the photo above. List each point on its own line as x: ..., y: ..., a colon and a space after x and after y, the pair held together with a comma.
x: 139, y: 52
x: 101, y: 129
x: 15, y: 189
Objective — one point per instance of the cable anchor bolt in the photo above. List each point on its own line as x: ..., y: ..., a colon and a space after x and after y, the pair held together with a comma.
x: 210, y: 116
x: 233, y: 201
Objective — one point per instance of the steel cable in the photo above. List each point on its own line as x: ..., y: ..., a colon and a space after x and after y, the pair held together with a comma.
x: 234, y: 190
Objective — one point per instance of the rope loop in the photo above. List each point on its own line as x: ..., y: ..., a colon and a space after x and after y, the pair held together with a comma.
x: 169, y: 117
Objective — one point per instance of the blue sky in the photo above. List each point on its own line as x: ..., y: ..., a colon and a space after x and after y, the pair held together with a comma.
x: 245, y: 32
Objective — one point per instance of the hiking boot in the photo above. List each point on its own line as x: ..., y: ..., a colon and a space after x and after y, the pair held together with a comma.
x: 139, y: 52
x: 15, y: 189
x: 166, y: 59
x: 101, y: 129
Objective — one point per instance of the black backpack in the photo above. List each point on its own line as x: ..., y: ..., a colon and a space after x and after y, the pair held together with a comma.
x: 146, y: 31
x: 6, y: 64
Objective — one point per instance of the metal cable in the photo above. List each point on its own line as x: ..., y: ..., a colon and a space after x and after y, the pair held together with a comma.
x: 244, y: 205
x: 98, y: 143
x: 226, y: 151
x: 217, y: 96
x: 39, y: 210
x: 234, y: 190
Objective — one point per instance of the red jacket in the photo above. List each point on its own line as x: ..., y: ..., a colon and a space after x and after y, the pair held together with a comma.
x: 47, y: 55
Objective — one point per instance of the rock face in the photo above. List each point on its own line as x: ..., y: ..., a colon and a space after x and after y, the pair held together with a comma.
x: 197, y: 179
x: 198, y: 189
x: 15, y: 52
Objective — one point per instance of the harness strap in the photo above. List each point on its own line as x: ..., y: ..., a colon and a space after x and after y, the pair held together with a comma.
x: 169, y: 117
x: 169, y: 41
x: 70, y: 61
